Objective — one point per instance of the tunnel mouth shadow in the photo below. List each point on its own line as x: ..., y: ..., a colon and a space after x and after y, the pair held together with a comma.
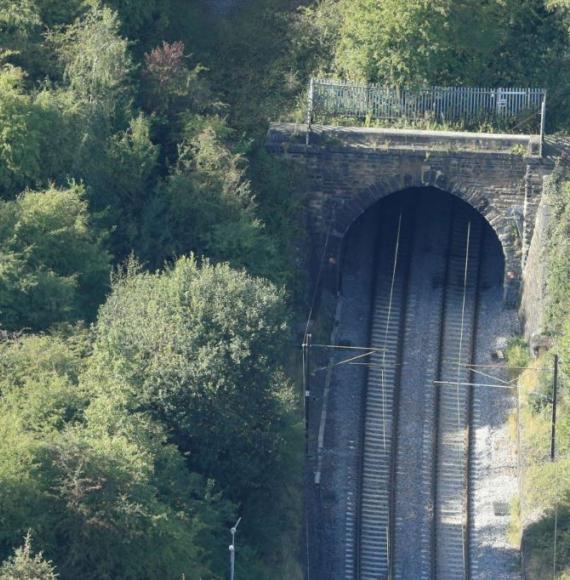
x: 411, y: 196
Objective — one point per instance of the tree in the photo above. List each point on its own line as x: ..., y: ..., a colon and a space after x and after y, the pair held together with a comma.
x: 199, y: 347
x: 18, y: 21
x: 96, y: 60
x: 170, y: 86
x: 41, y: 134
x: 206, y: 206
x: 141, y: 18
x: 422, y: 41
x: 39, y: 379
x: 54, y: 268
x: 103, y: 492
x: 121, y: 176
x: 173, y: 92
x: 55, y: 13
x: 23, y: 565
x: 108, y: 499
x: 20, y: 141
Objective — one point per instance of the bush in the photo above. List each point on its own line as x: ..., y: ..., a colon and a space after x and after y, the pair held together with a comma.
x: 199, y: 347
x: 206, y: 206
x: 23, y: 565
x: 102, y: 490
x: 54, y: 268
x: 20, y: 140
x: 517, y: 356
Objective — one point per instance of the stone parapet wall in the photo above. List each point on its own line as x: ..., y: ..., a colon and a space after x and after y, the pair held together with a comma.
x: 344, y: 178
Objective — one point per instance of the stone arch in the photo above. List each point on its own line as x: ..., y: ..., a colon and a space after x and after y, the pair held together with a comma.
x: 345, y: 214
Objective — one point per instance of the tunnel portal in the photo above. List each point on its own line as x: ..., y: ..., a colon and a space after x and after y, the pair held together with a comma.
x: 419, y: 239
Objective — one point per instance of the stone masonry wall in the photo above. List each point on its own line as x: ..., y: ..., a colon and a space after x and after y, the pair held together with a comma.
x: 344, y: 179
x: 533, y: 300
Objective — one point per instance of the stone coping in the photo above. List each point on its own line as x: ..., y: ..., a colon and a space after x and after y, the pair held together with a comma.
x: 380, y: 138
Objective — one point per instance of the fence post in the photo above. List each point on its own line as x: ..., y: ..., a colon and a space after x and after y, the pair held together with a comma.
x: 310, y: 108
x: 542, y: 122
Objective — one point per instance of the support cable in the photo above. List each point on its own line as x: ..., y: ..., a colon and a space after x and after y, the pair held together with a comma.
x: 383, y: 365
x: 318, y: 280
x: 459, y: 362
x: 388, y: 320
x: 487, y: 375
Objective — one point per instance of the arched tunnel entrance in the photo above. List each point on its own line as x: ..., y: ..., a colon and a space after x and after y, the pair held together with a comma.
x: 429, y: 213
x: 422, y: 276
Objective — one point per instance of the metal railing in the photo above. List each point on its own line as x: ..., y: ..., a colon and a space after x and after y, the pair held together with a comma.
x: 467, y: 107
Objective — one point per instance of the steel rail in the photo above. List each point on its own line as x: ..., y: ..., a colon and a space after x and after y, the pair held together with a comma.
x: 453, y: 435
x: 375, y: 540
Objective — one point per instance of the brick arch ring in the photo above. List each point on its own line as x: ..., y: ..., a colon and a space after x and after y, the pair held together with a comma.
x: 345, y: 212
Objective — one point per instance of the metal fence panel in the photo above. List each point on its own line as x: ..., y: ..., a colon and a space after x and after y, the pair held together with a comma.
x: 460, y: 105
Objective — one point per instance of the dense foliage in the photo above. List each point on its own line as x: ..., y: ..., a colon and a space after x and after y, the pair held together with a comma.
x: 127, y: 450
x: 144, y: 402
x: 196, y: 348
x: 25, y: 566
x: 130, y: 448
x: 53, y: 267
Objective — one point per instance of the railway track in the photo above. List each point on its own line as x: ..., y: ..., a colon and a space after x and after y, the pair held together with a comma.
x: 381, y: 406
x: 415, y: 438
x: 445, y: 541
x: 453, y: 401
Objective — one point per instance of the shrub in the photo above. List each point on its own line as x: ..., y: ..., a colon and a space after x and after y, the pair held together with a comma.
x: 53, y: 266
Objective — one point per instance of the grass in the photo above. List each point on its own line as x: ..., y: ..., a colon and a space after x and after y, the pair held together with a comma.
x: 544, y: 484
x: 514, y: 534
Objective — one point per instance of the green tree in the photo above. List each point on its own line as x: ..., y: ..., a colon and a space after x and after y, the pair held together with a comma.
x: 141, y: 18
x: 108, y: 500
x: 252, y: 60
x: 170, y: 86
x: 41, y: 134
x: 20, y: 141
x: 53, y: 266
x: 22, y: 26
x: 422, y: 41
x: 103, y: 492
x: 121, y: 176
x: 19, y: 20
x: 206, y: 205
x: 55, y: 13
x: 96, y: 60
x: 199, y: 348
x: 39, y: 379
x: 443, y: 42
x: 24, y: 565
x: 173, y: 92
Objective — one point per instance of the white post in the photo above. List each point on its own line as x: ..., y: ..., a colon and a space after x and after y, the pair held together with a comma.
x: 233, y: 550
x: 542, y: 121
x: 310, y: 109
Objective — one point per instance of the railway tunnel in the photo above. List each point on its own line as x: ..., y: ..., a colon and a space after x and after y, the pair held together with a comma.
x: 417, y: 240
x: 422, y: 282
